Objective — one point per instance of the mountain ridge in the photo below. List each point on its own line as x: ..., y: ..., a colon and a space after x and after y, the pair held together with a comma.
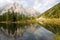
x: 16, y: 7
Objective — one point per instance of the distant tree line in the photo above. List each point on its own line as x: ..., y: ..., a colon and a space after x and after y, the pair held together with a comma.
x: 14, y: 16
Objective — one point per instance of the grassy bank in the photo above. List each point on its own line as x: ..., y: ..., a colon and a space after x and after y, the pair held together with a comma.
x: 57, y: 37
x: 52, y: 24
x: 19, y: 22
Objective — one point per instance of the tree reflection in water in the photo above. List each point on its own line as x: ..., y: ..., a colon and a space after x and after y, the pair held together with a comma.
x: 25, y: 32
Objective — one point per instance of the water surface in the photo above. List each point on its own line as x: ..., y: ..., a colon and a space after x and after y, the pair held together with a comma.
x: 15, y: 31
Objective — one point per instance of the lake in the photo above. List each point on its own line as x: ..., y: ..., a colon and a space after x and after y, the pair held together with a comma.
x: 14, y: 31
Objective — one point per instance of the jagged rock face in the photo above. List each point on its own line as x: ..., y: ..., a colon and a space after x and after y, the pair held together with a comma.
x: 16, y: 7
x: 13, y: 7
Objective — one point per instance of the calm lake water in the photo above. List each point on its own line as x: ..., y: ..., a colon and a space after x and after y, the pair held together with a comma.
x: 15, y: 31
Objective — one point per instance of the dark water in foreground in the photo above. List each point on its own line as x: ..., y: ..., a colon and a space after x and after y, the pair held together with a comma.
x: 24, y: 32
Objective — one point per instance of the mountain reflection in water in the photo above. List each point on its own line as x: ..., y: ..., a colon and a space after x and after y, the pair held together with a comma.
x: 24, y: 32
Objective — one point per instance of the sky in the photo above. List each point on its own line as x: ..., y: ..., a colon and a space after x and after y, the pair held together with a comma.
x: 38, y: 5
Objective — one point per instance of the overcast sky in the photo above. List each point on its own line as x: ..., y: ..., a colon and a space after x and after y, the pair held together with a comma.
x: 39, y: 5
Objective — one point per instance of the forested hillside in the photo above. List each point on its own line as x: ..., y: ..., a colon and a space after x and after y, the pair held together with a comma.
x: 53, y: 12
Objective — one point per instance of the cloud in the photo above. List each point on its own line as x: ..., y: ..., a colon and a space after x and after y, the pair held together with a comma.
x: 47, y: 2
x: 1, y: 0
x: 8, y: 0
x: 36, y: 5
x: 39, y: 5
